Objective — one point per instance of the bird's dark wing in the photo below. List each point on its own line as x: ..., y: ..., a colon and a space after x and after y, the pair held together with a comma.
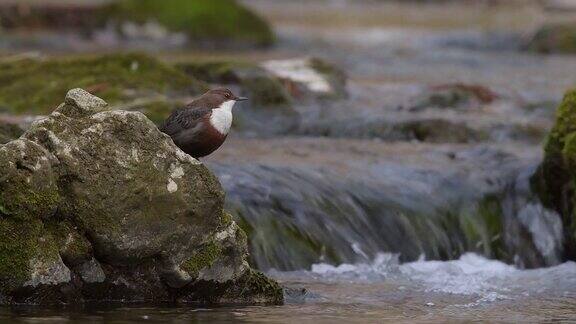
x: 184, y: 119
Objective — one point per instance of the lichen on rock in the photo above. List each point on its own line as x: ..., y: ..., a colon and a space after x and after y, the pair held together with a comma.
x: 100, y: 205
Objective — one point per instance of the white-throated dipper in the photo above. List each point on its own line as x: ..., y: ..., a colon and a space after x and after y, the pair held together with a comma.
x: 202, y: 125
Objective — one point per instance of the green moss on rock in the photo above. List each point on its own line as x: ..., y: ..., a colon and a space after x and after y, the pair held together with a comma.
x: 18, y: 245
x: 33, y: 86
x: 555, y: 180
x: 254, y: 287
x: 27, y: 185
x: 73, y: 247
x: 29, y: 260
x: 565, y: 124
x: 213, y: 21
x: 490, y: 211
x: 205, y: 257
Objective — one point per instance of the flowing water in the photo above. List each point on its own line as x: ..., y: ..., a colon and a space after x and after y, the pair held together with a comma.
x: 378, y: 220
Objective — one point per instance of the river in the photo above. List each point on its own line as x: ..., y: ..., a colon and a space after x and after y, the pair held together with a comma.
x: 366, y: 222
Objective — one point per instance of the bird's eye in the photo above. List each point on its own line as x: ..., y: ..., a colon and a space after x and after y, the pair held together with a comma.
x: 227, y: 95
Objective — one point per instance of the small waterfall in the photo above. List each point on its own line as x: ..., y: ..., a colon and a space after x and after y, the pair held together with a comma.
x: 298, y: 216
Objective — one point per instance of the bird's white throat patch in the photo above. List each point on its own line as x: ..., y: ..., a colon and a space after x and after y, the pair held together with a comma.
x: 221, y: 117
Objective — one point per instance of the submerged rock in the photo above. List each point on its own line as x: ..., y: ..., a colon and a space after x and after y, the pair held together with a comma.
x: 100, y: 205
x: 554, y: 182
x: 454, y: 96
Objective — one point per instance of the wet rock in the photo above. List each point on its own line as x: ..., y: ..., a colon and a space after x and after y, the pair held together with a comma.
x: 454, y: 96
x: 553, y: 181
x: 100, y: 205
x: 309, y: 77
x: 554, y: 38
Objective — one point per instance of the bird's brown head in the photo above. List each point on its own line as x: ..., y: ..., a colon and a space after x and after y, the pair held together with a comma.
x: 216, y: 97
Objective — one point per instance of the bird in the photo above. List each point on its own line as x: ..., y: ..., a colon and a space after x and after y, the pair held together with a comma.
x: 201, y: 127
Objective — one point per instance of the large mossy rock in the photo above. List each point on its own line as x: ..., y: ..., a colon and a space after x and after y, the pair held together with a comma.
x: 555, y: 180
x: 554, y: 38
x: 100, y: 205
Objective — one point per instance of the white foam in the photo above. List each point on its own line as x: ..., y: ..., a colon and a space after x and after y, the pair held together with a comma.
x: 472, y: 275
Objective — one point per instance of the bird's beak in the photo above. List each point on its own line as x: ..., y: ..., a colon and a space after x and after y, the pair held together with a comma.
x: 241, y: 99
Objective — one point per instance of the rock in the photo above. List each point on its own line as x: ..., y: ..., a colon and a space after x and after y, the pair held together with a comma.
x: 554, y: 38
x: 554, y: 180
x: 100, y: 205
x: 309, y: 76
x: 454, y: 96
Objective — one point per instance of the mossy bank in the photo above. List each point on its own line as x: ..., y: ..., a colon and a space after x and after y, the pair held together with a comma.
x: 36, y: 86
